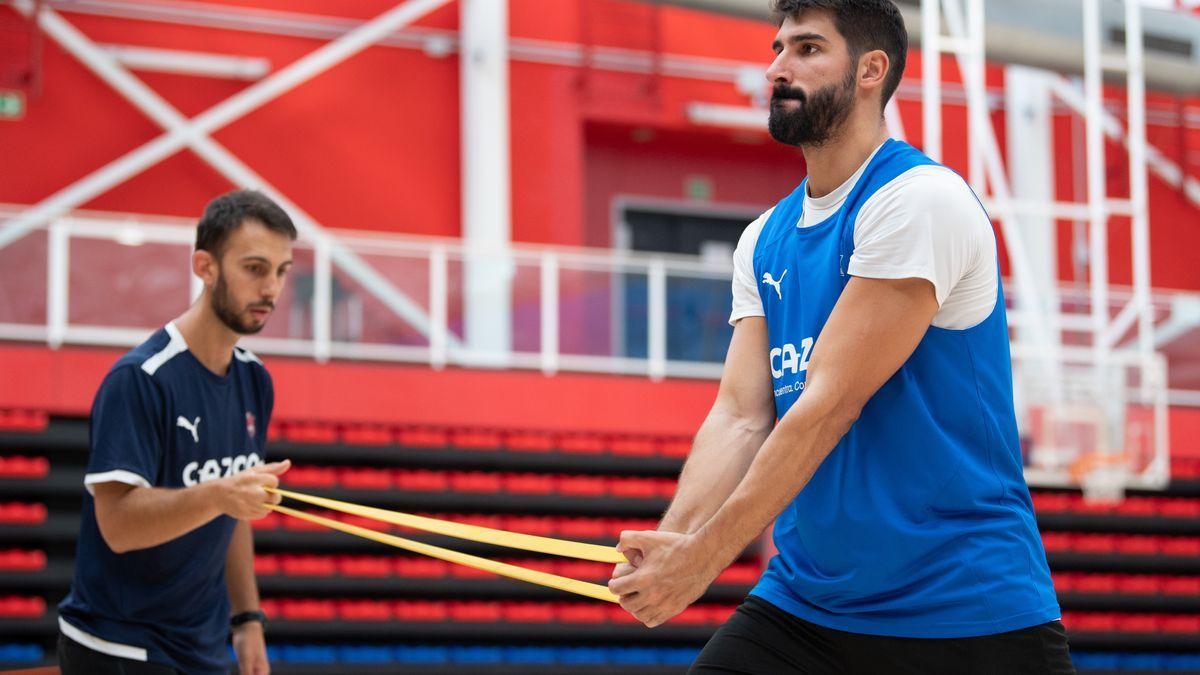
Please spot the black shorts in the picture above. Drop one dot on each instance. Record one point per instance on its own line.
(75, 659)
(761, 639)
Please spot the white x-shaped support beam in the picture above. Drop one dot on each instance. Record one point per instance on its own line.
(196, 134)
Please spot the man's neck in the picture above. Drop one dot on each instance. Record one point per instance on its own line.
(833, 163)
(208, 339)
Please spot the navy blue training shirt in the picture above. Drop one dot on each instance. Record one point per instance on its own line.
(161, 419)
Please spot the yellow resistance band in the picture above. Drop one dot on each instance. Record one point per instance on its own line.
(570, 549)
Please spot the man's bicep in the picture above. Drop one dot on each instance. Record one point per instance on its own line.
(746, 379)
(875, 326)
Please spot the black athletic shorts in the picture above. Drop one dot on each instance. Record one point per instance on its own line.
(761, 639)
(75, 659)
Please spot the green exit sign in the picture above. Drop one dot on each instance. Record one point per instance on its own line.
(12, 105)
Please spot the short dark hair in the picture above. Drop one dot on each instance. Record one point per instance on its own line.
(867, 25)
(226, 213)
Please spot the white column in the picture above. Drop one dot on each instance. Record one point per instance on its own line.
(1031, 152)
(486, 197)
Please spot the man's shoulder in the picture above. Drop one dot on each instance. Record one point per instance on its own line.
(144, 360)
(928, 188)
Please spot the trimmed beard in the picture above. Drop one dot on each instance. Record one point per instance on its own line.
(818, 118)
(222, 306)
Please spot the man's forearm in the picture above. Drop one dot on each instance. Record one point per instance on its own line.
(722, 451)
(239, 569)
(143, 517)
(784, 465)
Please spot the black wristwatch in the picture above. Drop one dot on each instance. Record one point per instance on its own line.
(246, 617)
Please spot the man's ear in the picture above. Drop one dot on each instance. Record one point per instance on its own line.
(204, 265)
(873, 68)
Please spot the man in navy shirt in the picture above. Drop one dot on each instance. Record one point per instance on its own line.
(165, 558)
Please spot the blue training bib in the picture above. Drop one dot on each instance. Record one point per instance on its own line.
(919, 522)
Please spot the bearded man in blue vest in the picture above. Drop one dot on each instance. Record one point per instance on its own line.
(865, 407)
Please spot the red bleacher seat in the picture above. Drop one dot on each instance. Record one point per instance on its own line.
(421, 568)
(475, 611)
(1052, 502)
(574, 612)
(422, 481)
(675, 447)
(364, 610)
(21, 513)
(307, 565)
(636, 447)
(1090, 621)
(18, 560)
(585, 569)
(1181, 586)
(1182, 623)
(1179, 508)
(367, 435)
(1138, 545)
(307, 609)
(696, 615)
(543, 526)
(530, 441)
(365, 479)
(1139, 584)
(582, 528)
(527, 612)
(266, 565)
(420, 611)
(475, 482)
(475, 439)
(582, 486)
(310, 432)
(665, 487)
(1144, 507)
(365, 566)
(24, 420)
(22, 607)
(1138, 623)
(528, 483)
(740, 573)
(1181, 546)
(1095, 543)
(585, 444)
(20, 466)
(1095, 583)
(422, 437)
(310, 476)
(632, 487)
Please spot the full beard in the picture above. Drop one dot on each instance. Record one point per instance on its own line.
(817, 119)
(222, 306)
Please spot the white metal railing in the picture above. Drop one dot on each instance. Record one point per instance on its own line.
(423, 267)
(429, 271)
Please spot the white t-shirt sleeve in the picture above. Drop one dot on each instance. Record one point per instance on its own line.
(746, 300)
(927, 224)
